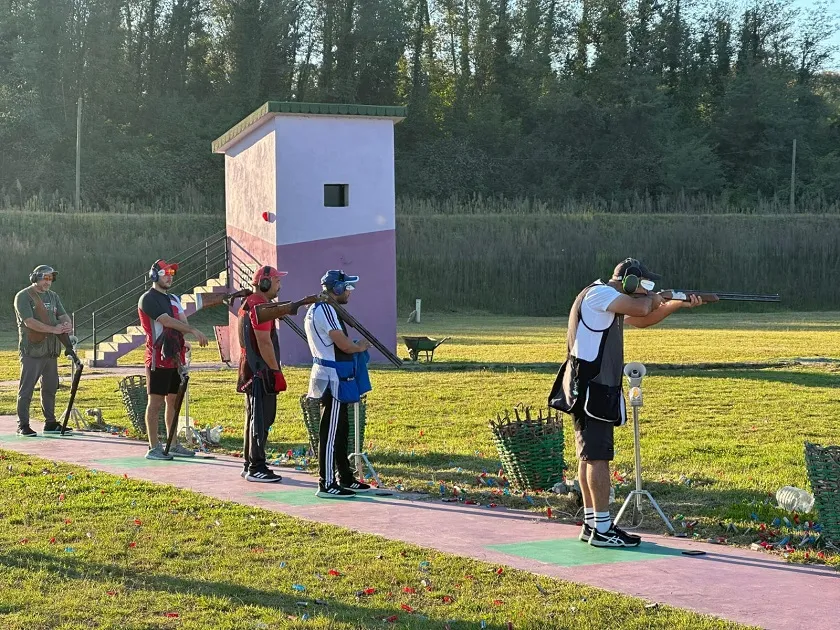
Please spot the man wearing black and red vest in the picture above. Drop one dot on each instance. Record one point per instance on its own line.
(260, 377)
(163, 320)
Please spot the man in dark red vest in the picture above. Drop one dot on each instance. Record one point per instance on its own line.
(260, 376)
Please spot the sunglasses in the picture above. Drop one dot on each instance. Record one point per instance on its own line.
(647, 285)
(169, 271)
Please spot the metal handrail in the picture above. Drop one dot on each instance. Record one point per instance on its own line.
(216, 238)
(213, 264)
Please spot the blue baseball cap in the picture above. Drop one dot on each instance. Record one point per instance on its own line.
(337, 276)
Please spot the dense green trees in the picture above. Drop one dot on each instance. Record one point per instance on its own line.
(541, 98)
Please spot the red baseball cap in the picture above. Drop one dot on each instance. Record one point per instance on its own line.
(162, 265)
(267, 272)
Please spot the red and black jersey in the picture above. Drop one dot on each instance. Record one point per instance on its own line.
(153, 304)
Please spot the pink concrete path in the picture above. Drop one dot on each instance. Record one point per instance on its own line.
(740, 585)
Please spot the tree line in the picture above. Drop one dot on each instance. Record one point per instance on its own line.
(541, 99)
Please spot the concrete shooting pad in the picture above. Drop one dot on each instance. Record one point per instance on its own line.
(727, 582)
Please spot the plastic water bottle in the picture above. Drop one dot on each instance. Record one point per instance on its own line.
(794, 499)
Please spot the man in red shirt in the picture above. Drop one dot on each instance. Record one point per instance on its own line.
(163, 320)
(260, 377)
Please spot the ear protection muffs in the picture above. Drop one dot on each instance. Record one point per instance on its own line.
(37, 275)
(340, 286)
(265, 281)
(632, 277)
(154, 272)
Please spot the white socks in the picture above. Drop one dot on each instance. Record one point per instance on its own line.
(602, 521)
(589, 516)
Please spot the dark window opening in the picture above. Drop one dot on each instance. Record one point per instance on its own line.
(336, 195)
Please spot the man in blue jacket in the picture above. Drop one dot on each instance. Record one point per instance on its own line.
(333, 380)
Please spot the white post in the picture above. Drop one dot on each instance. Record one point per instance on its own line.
(793, 177)
(78, 154)
(417, 310)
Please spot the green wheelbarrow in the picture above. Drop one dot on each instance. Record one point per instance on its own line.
(416, 345)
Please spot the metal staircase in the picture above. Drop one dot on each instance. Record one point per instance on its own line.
(111, 324)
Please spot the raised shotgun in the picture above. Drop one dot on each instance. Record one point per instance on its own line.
(718, 296)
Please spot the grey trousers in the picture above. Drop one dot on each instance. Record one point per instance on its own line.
(31, 370)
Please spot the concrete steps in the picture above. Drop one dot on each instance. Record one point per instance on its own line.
(110, 350)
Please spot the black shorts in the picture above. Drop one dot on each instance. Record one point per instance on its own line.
(162, 381)
(594, 439)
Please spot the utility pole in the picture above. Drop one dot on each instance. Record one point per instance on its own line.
(793, 177)
(78, 152)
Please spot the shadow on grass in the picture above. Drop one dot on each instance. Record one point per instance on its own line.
(803, 379)
(235, 595)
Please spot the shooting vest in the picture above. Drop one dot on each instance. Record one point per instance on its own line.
(251, 363)
(592, 387)
(40, 344)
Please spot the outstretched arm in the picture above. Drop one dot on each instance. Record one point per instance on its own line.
(667, 308)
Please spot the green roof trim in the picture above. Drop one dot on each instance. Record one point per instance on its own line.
(323, 109)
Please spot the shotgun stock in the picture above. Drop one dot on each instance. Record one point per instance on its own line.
(276, 310)
(209, 300)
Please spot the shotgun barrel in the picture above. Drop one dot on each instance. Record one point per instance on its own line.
(719, 296)
(352, 321)
(295, 328)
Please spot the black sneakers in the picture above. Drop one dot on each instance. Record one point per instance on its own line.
(263, 476)
(356, 486)
(55, 427)
(614, 537)
(334, 491)
(26, 432)
(585, 533)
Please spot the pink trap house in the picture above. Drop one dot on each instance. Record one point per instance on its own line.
(310, 187)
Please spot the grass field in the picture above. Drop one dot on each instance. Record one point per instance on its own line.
(90, 550)
(716, 442)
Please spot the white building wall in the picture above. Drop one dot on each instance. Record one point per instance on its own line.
(316, 150)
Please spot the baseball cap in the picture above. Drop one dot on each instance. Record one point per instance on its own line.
(162, 265)
(335, 276)
(622, 267)
(267, 272)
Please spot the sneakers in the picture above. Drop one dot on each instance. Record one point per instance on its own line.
(244, 473)
(356, 486)
(176, 450)
(585, 533)
(26, 432)
(263, 476)
(334, 491)
(157, 453)
(613, 537)
(55, 427)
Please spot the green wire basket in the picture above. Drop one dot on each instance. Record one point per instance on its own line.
(135, 398)
(531, 449)
(311, 408)
(823, 465)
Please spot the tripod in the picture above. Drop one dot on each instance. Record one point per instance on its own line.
(634, 373)
(359, 455)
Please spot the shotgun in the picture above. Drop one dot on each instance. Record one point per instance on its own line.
(209, 300)
(64, 338)
(718, 296)
(183, 372)
(277, 310)
(352, 321)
